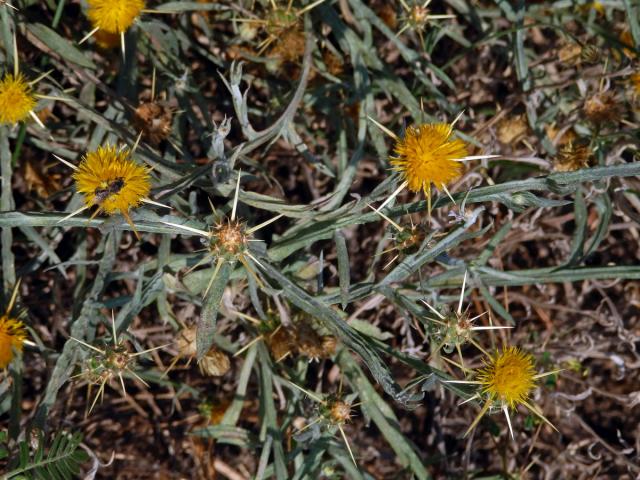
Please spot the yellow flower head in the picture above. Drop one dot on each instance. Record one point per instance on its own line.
(509, 376)
(110, 179)
(107, 40)
(16, 99)
(12, 336)
(114, 16)
(635, 82)
(427, 155)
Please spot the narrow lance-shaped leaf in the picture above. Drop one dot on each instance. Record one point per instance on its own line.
(344, 273)
(206, 328)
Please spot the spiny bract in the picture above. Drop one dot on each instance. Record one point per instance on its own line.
(16, 99)
(509, 376)
(427, 155)
(12, 336)
(114, 16)
(109, 178)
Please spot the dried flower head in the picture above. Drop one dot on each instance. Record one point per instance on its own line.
(387, 14)
(590, 54)
(289, 46)
(114, 16)
(570, 53)
(572, 156)
(16, 99)
(228, 239)
(339, 411)
(111, 180)
(626, 39)
(153, 119)
(280, 343)
(215, 363)
(12, 336)
(311, 344)
(560, 136)
(602, 107)
(512, 129)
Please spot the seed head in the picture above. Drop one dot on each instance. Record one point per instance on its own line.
(419, 16)
(339, 411)
(12, 336)
(228, 239)
(153, 119)
(110, 179)
(427, 155)
(508, 377)
(215, 363)
(572, 156)
(512, 129)
(16, 99)
(114, 16)
(602, 107)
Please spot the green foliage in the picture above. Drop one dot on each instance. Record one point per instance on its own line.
(213, 61)
(60, 459)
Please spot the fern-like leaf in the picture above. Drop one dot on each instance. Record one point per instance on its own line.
(61, 461)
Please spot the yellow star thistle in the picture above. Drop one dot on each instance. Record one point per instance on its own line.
(427, 155)
(114, 16)
(16, 99)
(12, 336)
(506, 382)
(110, 179)
(509, 376)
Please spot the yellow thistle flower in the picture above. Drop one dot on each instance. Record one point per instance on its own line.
(506, 382)
(508, 377)
(12, 336)
(16, 99)
(427, 155)
(107, 40)
(110, 179)
(635, 82)
(114, 16)
(626, 39)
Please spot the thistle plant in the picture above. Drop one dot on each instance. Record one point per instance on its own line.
(435, 203)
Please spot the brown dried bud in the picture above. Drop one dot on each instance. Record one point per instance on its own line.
(215, 363)
(154, 120)
(602, 107)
